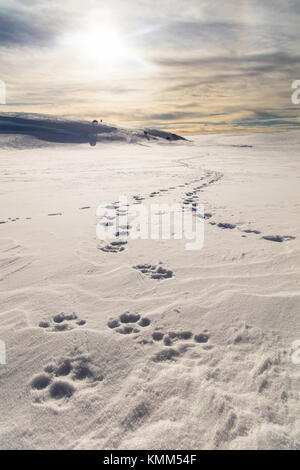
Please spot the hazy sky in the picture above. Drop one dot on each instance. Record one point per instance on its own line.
(191, 66)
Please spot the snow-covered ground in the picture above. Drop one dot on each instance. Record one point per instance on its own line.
(203, 357)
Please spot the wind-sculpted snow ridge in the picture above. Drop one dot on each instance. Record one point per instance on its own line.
(18, 127)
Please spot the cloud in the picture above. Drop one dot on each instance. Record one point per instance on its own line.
(209, 64)
(269, 61)
(25, 28)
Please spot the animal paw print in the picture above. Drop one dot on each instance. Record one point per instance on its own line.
(278, 238)
(225, 225)
(154, 272)
(206, 215)
(138, 199)
(168, 339)
(257, 232)
(154, 194)
(172, 336)
(62, 322)
(114, 247)
(126, 323)
(61, 380)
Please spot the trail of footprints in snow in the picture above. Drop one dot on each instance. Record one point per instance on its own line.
(51, 214)
(118, 246)
(60, 380)
(192, 198)
(128, 323)
(62, 322)
(137, 199)
(273, 238)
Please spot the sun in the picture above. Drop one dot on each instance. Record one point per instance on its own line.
(100, 44)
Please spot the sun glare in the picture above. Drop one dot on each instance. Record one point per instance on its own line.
(100, 44)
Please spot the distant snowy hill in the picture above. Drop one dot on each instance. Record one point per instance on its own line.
(60, 130)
